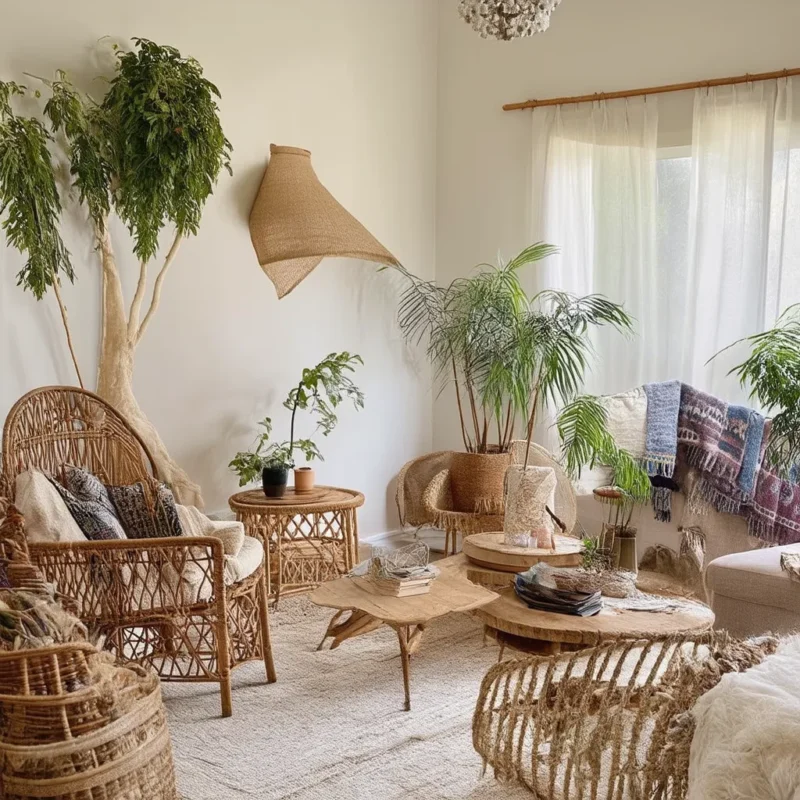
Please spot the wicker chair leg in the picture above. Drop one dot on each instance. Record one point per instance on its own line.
(266, 639)
(222, 643)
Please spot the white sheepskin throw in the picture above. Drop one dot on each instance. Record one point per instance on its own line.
(746, 744)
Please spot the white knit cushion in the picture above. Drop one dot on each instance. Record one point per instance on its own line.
(237, 568)
(195, 523)
(47, 518)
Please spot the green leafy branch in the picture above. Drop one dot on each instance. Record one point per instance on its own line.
(321, 390)
(586, 441)
(772, 373)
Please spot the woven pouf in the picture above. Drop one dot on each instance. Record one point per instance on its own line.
(528, 491)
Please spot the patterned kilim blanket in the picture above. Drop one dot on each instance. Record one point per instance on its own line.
(774, 515)
(661, 443)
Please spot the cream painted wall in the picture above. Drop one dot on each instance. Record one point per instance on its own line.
(593, 45)
(354, 81)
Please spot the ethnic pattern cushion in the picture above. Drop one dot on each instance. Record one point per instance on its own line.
(4, 582)
(89, 504)
(146, 511)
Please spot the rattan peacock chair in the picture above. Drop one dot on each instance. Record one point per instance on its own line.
(131, 591)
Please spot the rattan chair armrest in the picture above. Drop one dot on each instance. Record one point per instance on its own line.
(127, 577)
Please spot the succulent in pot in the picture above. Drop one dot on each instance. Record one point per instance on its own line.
(320, 391)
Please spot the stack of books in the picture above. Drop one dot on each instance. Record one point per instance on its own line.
(538, 596)
(404, 586)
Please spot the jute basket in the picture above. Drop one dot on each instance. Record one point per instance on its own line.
(477, 481)
(122, 747)
(52, 694)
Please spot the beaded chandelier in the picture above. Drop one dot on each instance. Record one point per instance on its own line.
(507, 19)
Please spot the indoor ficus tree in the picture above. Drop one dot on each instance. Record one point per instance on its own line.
(149, 152)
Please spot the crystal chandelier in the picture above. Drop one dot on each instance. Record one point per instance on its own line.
(507, 19)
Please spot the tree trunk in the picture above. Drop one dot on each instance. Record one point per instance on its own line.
(115, 378)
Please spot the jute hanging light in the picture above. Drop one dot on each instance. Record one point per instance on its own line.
(295, 222)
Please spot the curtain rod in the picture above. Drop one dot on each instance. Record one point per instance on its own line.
(673, 87)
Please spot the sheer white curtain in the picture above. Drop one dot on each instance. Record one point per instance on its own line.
(594, 196)
(726, 272)
(742, 243)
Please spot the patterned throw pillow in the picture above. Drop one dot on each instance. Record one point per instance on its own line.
(146, 512)
(89, 503)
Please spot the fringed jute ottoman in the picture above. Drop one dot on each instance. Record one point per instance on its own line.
(610, 723)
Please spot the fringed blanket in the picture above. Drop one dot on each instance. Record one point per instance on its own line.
(774, 515)
(726, 443)
(661, 443)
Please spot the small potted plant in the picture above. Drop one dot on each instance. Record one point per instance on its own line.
(320, 391)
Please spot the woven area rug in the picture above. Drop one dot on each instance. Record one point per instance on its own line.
(332, 726)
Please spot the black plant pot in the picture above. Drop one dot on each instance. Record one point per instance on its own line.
(274, 480)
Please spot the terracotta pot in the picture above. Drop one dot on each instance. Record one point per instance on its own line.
(476, 481)
(303, 479)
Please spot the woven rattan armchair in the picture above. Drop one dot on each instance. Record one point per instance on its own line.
(131, 591)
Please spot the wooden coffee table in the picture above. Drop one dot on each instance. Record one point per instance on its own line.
(513, 624)
(308, 537)
(408, 616)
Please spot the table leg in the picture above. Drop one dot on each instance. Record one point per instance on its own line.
(409, 644)
(358, 623)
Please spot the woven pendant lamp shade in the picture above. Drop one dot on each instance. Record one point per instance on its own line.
(295, 222)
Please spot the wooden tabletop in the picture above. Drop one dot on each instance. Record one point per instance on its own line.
(449, 593)
(320, 498)
(509, 614)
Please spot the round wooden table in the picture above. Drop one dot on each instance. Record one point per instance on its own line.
(308, 537)
(547, 632)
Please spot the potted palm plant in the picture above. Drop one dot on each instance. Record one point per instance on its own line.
(320, 391)
(507, 354)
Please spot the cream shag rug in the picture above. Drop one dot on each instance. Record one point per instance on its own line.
(332, 726)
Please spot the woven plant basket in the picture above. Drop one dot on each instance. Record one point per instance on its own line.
(122, 751)
(56, 693)
(477, 481)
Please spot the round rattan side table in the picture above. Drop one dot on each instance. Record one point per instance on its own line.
(308, 537)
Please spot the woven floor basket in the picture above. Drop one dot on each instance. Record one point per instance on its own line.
(75, 727)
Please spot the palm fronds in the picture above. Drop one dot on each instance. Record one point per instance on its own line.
(507, 354)
(772, 372)
(586, 441)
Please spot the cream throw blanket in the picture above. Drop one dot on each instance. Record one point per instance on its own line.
(746, 743)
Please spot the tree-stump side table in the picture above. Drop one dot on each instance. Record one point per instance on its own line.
(308, 537)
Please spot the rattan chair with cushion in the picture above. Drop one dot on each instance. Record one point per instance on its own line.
(134, 591)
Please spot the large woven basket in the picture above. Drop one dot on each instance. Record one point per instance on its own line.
(122, 747)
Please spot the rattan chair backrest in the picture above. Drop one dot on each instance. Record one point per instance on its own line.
(57, 425)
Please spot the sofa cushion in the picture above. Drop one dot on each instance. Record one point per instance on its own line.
(89, 503)
(47, 518)
(145, 512)
(755, 577)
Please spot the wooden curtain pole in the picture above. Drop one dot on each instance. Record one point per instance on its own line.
(672, 87)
